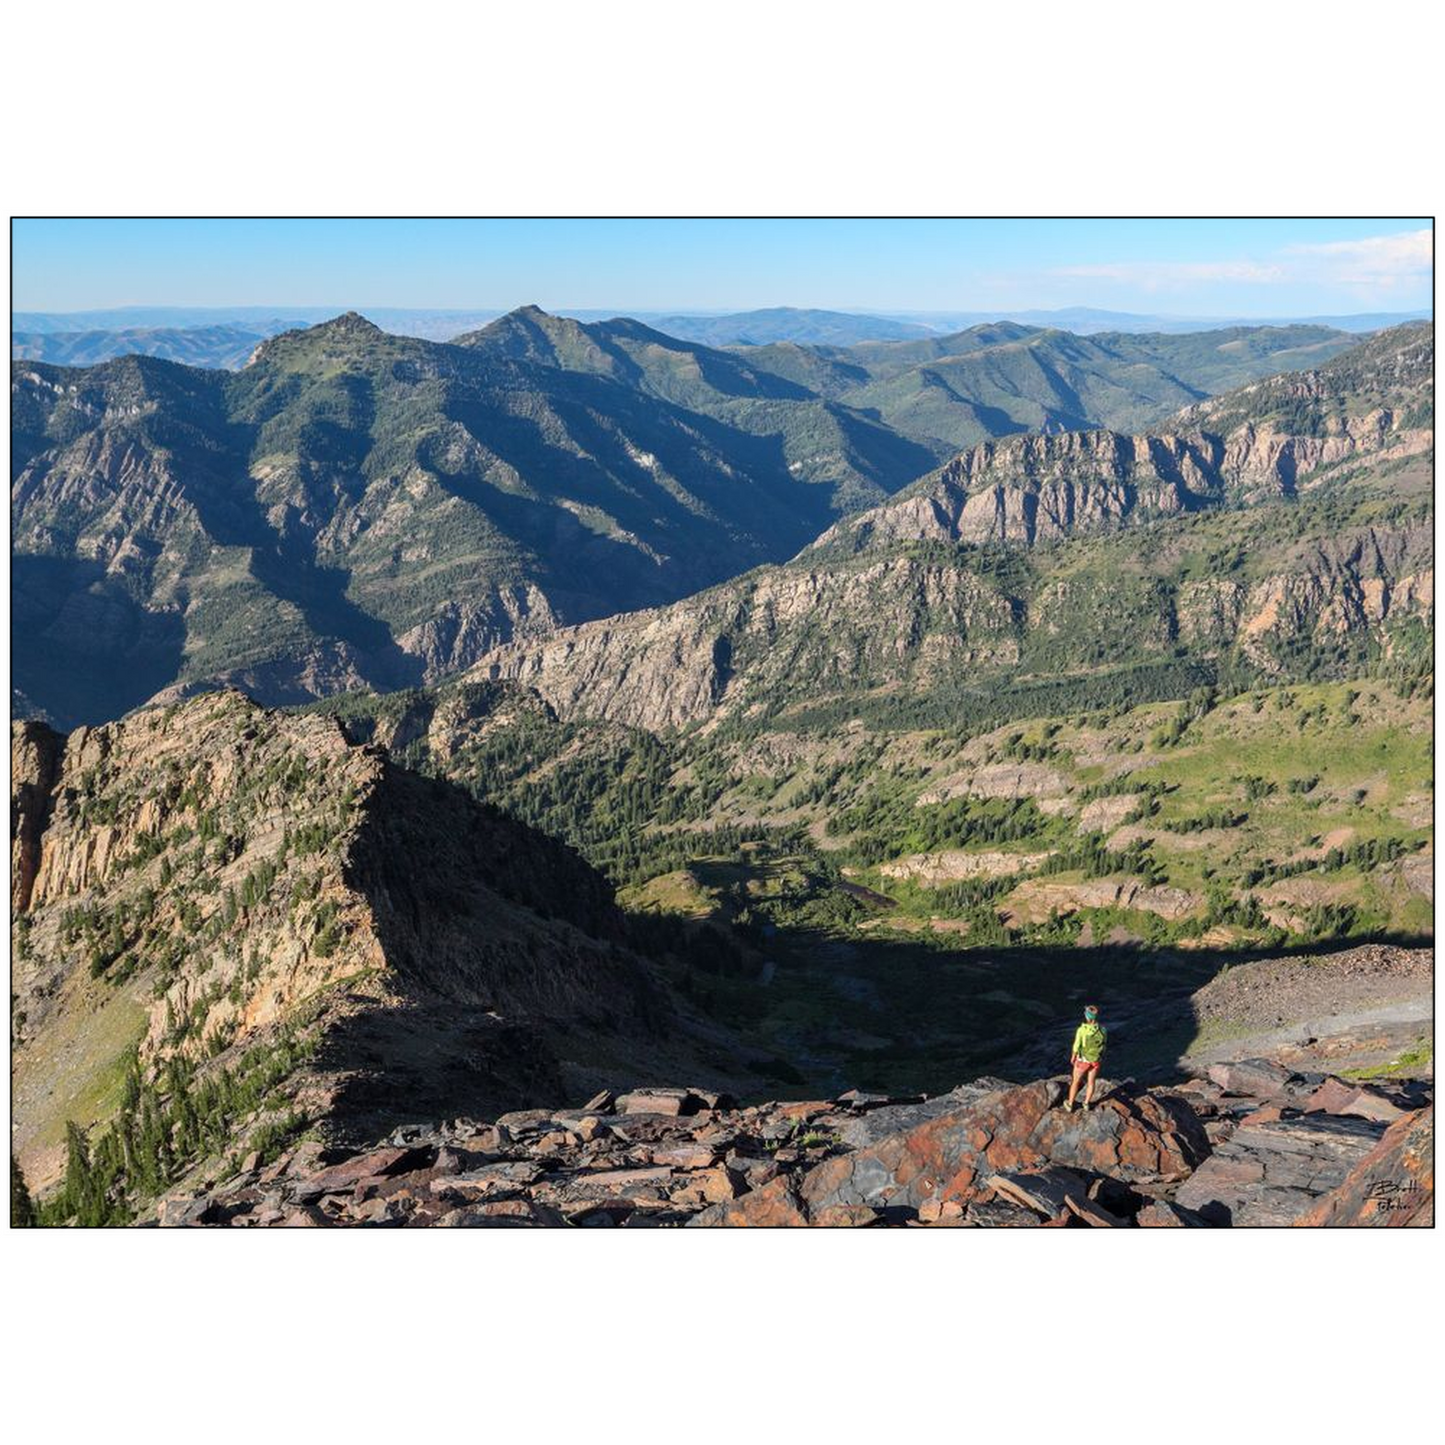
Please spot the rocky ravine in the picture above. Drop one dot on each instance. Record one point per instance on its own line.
(1251, 1144)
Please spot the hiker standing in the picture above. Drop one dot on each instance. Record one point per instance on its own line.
(1090, 1040)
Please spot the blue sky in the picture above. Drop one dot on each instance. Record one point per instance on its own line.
(1182, 268)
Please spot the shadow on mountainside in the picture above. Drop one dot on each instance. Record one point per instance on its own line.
(508, 964)
(95, 655)
(286, 564)
(904, 1016)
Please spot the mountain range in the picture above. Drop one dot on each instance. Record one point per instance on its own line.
(354, 508)
(229, 347)
(1018, 559)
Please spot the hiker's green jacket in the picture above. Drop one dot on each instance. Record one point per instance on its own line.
(1089, 1042)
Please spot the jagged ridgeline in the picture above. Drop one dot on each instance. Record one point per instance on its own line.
(233, 927)
(354, 509)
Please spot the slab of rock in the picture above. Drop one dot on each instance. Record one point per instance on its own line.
(176, 1213)
(1272, 1173)
(685, 1156)
(1338, 1096)
(861, 1102)
(624, 1178)
(880, 1121)
(775, 1206)
(1393, 1186)
(671, 1102)
(514, 1174)
(526, 1121)
(996, 1214)
(1046, 1192)
(378, 1164)
(711, 1186)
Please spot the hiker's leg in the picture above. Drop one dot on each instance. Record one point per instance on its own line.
(1089, 1087)
(1075, 1082)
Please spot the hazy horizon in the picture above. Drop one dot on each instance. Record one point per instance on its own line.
(1178, 269)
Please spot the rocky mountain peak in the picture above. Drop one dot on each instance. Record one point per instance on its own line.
(349, 323)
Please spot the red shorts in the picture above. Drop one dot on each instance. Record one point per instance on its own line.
(1086, 1066)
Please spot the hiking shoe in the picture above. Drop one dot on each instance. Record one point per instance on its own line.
(1087, 1107)
(1068, 1106)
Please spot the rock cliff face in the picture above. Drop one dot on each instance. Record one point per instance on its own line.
(1029, 490)
(1271, 439)
(900, 622)
(35, 755)
(796, 628)
(211, 883)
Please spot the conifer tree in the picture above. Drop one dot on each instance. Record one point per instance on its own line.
(22, 1207)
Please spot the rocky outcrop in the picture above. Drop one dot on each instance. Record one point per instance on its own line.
(1271, 1170)
(795, 628)
(1284, 1141)
(1262, 441)
(1133, 1136)
(35, 758)
(1030, 490)
(213, 882)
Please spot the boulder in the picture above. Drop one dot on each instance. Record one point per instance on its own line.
(670, 1102)
(525, 1121)
(1391, 1187)
(176, 1213)
(685, 1156)
(1128, 1135)
(1254, 1078)
(1046, 1192)
(881, 1120)
(1161, 1214)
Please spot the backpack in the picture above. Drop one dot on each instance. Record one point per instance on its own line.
(1092, 1039)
